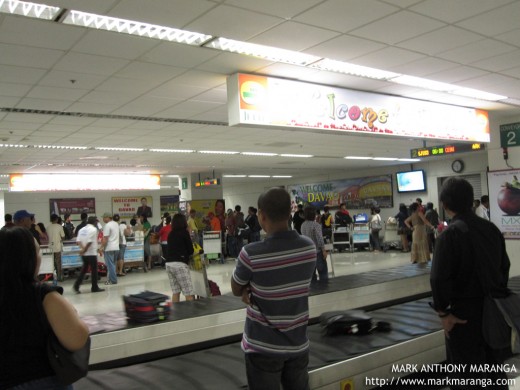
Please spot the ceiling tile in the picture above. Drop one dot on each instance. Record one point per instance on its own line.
(345, 15)
(43, 104)
(178, 55)
(66, 94)
(233, 23)
(90, 64)
(228, 63)
(93, 6)
(286, 9)
(398, 27)
(423, 66)
(499, 63)
(22, 55)
(146, 106)
(20, 74)
(14, 90)
(497, 21)
(344, 48)
(476, 51)
(457, 74)
(512, 37)
(150, 72)
(440, 40)
(111, 44)
(450, 11)
(65, 79)
(388, 57)
(293, 36)
(38, 33)
(171, 13)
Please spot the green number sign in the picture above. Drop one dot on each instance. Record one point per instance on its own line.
(510, 135)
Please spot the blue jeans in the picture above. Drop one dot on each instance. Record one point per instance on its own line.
(110, 260)
(47, 383)
(267, 372)
(321, 267)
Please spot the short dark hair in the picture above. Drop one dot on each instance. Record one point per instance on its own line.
(54, 217)
(92, 220)
(342, 204)
(275, 204)
(8, 218)
(484, 199)
(83, 216)
(66, 215)
(116, 217)
(168, 219)
(457, 195)
(238, 208)
(326, 209)
(309, 213)
(429, 206)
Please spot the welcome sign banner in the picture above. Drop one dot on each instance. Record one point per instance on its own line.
(357, 193)
(266, 101)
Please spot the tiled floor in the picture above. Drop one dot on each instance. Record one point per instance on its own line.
(156, 280)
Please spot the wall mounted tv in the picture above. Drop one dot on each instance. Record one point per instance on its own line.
(411, 181)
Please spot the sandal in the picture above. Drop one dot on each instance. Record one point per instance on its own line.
(121, 274)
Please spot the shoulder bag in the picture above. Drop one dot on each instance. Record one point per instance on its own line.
(69, 366)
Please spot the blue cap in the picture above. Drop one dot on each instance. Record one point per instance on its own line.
(21, 214)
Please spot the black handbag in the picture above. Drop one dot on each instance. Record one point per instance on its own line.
(68, 366)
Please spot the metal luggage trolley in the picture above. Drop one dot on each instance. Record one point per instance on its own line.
(212, 244)
(47, 263)
(391, 238)
(360, 232)
(341, 237)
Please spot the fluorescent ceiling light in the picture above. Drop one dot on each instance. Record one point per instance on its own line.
(75, 182)
(259, 154)
(31, 10)
(352, 69)
(61, 147)
(258, 176)
(171, 150)
(120, 149)
(266, 52)
(385, 158)
(132, 27)
(281, 176)
(422, 83)
(297, 155)
(13, 146)
(476, 94)
(358, 158)
(217, 152)
(409, 159)
(234, 175)
(170, 176)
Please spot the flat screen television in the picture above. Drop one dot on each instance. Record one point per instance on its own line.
(411, 181)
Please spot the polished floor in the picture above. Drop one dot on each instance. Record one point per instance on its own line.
(156, 280)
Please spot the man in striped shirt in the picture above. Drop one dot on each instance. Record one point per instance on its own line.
(273, 278)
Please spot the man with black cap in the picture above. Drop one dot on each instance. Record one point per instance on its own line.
(87, 241)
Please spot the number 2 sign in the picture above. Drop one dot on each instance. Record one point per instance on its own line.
(510, 135)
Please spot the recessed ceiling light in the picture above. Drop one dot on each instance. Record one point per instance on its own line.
(385, 158)
(297, 155)
(31, 10)
(259, 154)
(358, 158)
(234, 175)
(217, 152)
(171, 150)
(258, 176)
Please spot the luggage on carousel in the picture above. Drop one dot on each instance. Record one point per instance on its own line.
(147, 307)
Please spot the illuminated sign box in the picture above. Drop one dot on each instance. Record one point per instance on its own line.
(441, 150)
(207, 183)
(63, 182)
(262, 101)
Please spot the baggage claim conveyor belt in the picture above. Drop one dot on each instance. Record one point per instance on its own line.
(187, 352)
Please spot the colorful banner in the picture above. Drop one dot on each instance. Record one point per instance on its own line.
(72, 206)
(357, 193)
(504, 201)
(169, 204)
(130, 206)
(203, 208)
(266, 101)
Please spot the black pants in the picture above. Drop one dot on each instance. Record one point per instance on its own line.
(88, 261)
(466, 345)
(268, 372)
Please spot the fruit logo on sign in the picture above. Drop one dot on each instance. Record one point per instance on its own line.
(253, 92)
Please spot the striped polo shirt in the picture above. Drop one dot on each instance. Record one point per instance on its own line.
(279, 271)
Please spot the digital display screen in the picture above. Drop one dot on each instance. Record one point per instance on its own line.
(440, 150)
(411, 181)
(207, 183)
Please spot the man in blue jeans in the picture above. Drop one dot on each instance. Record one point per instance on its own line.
(110, 247)
(273, 278)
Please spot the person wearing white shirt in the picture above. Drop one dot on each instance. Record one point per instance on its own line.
(483, 210)
(56, 236)
(88, 244)
(110, 247)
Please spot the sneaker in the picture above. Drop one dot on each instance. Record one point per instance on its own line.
(108, 283)
(76, 290)
(98, 290)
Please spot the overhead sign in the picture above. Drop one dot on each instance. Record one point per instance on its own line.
(510, 135)
(440, 150)
(265, 101)
(207, 183)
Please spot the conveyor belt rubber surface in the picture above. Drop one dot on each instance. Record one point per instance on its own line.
(223, 367)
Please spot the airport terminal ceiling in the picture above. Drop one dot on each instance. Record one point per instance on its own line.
(111, 94)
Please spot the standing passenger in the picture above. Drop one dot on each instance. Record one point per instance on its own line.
(469, 248)
(402, 230)
(417, 222)
(56, 236)
(88, 244)
(273, 278)
(312, 229)
(110, 247)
